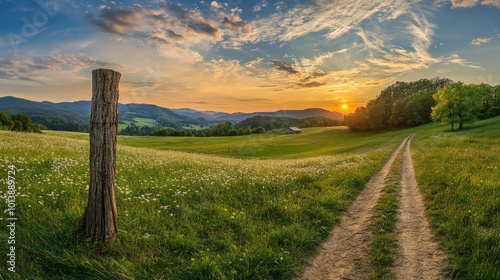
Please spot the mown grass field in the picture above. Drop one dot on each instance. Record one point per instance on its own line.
(250, 207)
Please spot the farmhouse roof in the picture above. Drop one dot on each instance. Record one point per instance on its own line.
(295, 129)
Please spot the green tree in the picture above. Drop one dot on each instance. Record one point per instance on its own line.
(456, 104)
(222, 129)
(160, 132)
(398, 117)
(18, 126)
(358, 121)
(248, 130)
(200, 133)
(5, 122)
(27, 124)
(259, 130)
(232, 132)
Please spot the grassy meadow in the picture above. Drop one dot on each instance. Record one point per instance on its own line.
(138, 122)
(312, 142)
(249, 207)
(459, 176)
(185, 215)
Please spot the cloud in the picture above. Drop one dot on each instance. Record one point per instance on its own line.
(381, 25)
(214, 4)
(314, 76)
(32, 68)
(204, 29)
(311, 65)
(393, 59)
(472, 3)
(235, 25)
(479, 41)
(150, 23)
(174, 36)
(283, 66)
(174, 31)
(464, 3)
(117, 21)
(495, 3)
(335, 18)
(180, 17)
(455, 58)
(175, 26)
(309, 85)
(258, 7)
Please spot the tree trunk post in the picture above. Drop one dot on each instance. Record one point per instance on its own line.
(100, 218)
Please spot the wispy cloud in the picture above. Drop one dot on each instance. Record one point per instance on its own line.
(260, 5)
(495, 3)
(335, 18)
(117, 21)
(455, 58)
(377, 23)
(177, 27)
(472, 3)
(464, 3)
(478, 41)
(39, 68)
(314, 65)
(395, 59)
(283, 66)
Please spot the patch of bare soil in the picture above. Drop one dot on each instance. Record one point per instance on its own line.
(418, 255)
(345, 254)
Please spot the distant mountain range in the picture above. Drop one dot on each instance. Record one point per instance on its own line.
(78, 113)
(237, 117)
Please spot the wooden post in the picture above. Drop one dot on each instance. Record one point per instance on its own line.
(100, 218)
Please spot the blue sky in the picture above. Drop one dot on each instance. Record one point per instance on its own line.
(243, 55)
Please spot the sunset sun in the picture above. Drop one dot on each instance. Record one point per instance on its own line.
(344, 106)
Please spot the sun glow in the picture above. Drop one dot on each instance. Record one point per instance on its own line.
(344, 106)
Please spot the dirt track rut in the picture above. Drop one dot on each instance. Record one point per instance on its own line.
(345, 255)
(418, 255)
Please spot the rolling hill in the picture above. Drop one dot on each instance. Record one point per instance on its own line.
(74, 116)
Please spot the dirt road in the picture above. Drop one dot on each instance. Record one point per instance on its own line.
(346, 253)
(418, 255)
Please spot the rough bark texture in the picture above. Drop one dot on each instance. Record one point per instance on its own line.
(100, 217)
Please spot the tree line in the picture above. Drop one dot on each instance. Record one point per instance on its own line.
(274, 122)
(409, 104)
(253, 125)
(221, 129)
(19, 123)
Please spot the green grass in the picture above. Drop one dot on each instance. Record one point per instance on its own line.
(210, 210)
(459, 175)
(194, 126)
(181, 215)
(384, 245)
(140, 122)
(311, 143)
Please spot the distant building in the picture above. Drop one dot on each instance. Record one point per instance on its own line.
(292, 130)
